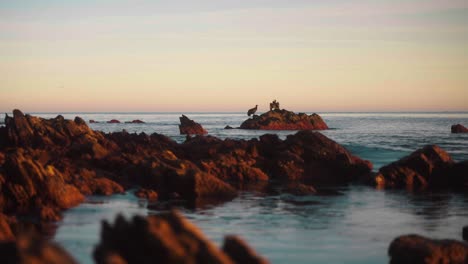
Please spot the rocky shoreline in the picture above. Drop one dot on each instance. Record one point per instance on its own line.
(50, 165)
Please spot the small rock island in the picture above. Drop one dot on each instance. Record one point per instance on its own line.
(282, 119)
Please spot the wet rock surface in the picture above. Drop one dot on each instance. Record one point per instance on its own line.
(48, 165)
(417, 249)
(284, 120)
(429, 167)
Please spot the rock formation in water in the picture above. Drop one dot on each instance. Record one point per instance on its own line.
(189, 127)
(136, 121)
(458, 128)
(285, 120)
(166, 238)
(47, 165)
(113, 121)
(429, 167)
(410, 249)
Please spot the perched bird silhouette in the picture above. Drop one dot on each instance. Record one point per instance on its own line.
(252, 111)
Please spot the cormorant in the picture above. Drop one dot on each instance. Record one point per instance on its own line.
(252, 111)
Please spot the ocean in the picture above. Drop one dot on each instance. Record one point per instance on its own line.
(355, 225)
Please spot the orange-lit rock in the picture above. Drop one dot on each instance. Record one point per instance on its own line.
(189, 127)
(458, 128)
(284, 120)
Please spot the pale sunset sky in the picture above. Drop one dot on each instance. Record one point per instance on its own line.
(220, 55)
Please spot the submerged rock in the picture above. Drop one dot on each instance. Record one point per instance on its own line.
(429, 167)
(417, 249)
(285, 120)
(166, 238)
(458, 128)
(137, 121)
(189, 127)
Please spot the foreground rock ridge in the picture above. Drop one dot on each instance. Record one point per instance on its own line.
(166, 238)
(284, 120)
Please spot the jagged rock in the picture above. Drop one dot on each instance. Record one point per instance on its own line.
(27, 250)
(285, 120)
(410, 249)
(30, 186)
(429, 167)
(6, 234)
(311, 157)
(190, 127)
(113, 121)
(166, 238)
(458, 128)
(202, 168)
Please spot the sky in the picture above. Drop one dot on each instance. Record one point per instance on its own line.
(220, 55)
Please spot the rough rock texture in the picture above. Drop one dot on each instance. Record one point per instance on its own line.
(6, 232)
(285, 120)
(47, 165)
(429, 167)
(167, 238)
(458, 128)
(30, 186)
(410, 249)
(190, 127)
(33, 250)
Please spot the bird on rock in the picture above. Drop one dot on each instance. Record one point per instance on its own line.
(252, 111)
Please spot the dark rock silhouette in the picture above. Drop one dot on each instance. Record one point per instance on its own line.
(28, 249)
(429, 167)
(166, 238)
(113, 121)
(465, 233)
(190, 127)
(285, 120)
(458, 128)
(228, 127)
(240, 252)
(137, 121)
(417, 249)
(92, 121)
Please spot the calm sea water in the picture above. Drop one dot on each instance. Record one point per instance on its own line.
(354, 226)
